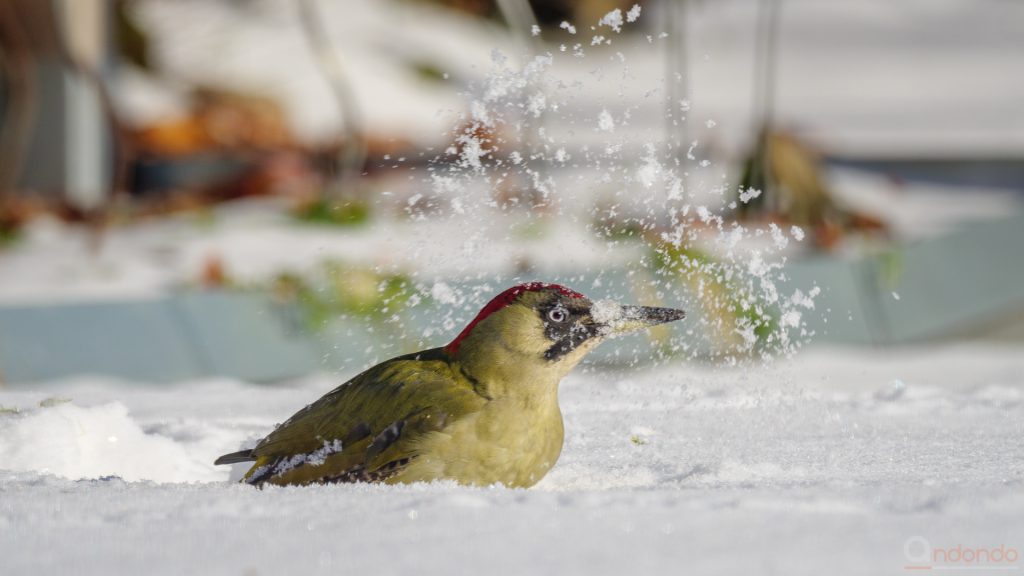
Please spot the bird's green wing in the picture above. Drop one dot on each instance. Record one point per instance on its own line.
(366, 429)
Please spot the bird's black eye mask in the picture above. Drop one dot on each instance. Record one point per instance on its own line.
(567, 324)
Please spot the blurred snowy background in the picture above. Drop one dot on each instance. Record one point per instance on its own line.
(213, 212)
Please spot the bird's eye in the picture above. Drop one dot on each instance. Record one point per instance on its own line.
(558, 315)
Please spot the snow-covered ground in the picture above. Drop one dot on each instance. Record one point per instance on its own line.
(837, 461)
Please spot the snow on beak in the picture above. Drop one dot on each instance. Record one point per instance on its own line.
(616, 319)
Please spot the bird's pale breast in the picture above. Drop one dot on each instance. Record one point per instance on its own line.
(502, 443)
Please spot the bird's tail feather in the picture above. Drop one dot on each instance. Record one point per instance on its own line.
(235, 457)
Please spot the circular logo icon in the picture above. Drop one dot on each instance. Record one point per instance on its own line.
(917, 549)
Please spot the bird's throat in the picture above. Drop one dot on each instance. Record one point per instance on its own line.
(504, 373)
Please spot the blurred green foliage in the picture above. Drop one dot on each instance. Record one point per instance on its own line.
(428, 71)
(8, 236)
(130, 38)
(52, 401)
(729, 306)
(891, 265)
(345, 290)
(334, 213)
(607, 224)
(637, 440)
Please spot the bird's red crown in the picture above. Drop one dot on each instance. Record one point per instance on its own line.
(504, 299)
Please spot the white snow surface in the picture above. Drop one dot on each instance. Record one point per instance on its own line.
(829, 463)
(260, 48)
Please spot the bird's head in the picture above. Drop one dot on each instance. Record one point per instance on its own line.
(541, 331)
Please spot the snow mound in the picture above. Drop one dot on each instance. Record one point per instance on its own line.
(94, 442)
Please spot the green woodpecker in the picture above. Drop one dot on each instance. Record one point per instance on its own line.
(482, 410)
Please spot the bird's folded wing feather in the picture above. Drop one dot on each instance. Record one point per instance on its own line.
(366, 429)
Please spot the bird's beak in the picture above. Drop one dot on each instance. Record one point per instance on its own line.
(616, 319)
